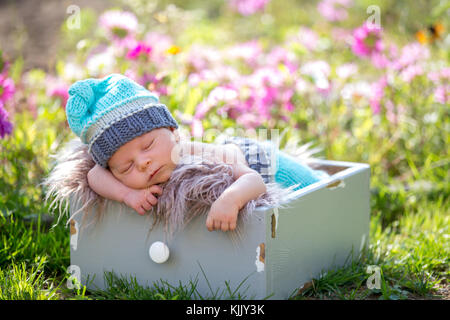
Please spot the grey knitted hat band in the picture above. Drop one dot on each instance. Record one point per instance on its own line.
(116, 134)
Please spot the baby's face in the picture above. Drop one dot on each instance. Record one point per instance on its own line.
(145, 160)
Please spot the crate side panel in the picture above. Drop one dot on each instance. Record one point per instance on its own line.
(318, 231)
(120, 243)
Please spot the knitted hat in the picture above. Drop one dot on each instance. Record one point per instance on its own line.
(107, 113)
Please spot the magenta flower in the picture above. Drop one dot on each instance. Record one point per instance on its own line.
(5, 125)
(286, 97)
(367, 40)
(7, 88)
(334, 10)
(248, 7)
(137, 50)
(120, 26)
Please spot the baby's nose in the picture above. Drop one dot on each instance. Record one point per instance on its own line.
(145, 164)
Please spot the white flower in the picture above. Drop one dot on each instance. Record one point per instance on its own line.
(101, 63)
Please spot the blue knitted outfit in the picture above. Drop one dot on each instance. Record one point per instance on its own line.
(275, 165)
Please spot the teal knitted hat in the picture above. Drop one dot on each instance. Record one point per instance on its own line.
(107, 113)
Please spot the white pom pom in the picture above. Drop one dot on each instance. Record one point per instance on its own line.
(159, 252)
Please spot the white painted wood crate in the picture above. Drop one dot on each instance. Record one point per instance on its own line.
(280, 250)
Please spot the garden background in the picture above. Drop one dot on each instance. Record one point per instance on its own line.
(324, 71)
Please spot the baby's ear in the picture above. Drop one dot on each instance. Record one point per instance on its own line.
(176, 133)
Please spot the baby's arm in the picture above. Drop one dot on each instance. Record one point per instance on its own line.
(103, 182)
(248, 185)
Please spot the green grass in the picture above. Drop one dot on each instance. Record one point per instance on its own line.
(22, 282)
(412, 254)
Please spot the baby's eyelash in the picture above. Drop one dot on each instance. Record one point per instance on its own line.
(127, 169)
(150, 144)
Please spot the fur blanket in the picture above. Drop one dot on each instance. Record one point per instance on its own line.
(194, 185)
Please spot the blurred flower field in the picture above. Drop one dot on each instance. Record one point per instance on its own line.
(366, 81)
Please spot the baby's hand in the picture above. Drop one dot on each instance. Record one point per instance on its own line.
(223, 215)
(142, 200)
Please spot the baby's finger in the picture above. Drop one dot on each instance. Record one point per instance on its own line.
(140, 211)
(217, 225)
(225, 226)
(156, 189)
(209, 223)
(152, 199)
(147, 206)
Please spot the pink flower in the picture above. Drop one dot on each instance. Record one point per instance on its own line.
(248, 51)
(154, 83)
(249, 120)
(280, 55)
(411, 72)
(120, 25)
(33, 105)
(138, 49)
(286, 97)
(130, 73)
(202, 57)
(7, 88)
(342, 34)
(265, 76)
(436, 76)
(334, 10)
(159, 43)
(390, 113)
(308, 38)
(442, 94)
(379, 60)
(410, 54)
(248, 7)
(5, 125)
(367, 40)
(58, 89)
(377, 94)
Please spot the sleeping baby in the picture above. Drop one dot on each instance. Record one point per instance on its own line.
(136, 145)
